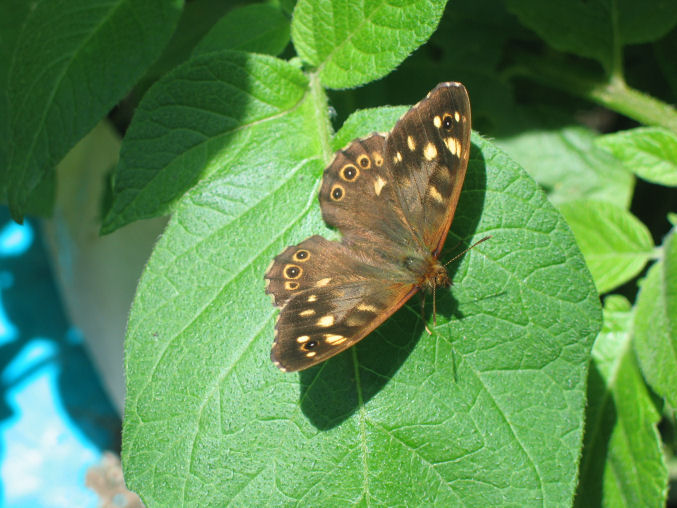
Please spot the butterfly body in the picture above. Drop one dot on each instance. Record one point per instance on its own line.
(393, 198)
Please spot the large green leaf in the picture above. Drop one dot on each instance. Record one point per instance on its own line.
(487, 411)
(73, 62)
(353, 43)
(192, 122)
(596, 28)
(649, 152)
(656, 324)
(259, 28)
(622, 463)
(13, 14)
(566, 162)
(616, 245)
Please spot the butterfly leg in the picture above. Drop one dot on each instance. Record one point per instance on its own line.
(423, 313)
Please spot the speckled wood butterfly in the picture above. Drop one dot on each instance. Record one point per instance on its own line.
(393, 198)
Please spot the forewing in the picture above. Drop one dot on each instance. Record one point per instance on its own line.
(357, 197)
(427, 156)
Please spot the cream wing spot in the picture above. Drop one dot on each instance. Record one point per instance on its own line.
(457, 116)
(367, 308)
(453, 145)
(430, 152)
(312, 298)
(435, 194)
(411, 143)
(379, 183)
(311, 354)
(325, 321)
(335, 340)
(303, 338)
(308, 312)
(323, 282)
(437, 121)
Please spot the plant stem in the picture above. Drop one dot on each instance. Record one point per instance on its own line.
(321, 108)
(612, 93)
(618, 96)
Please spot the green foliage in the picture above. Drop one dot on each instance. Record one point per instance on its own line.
(622, 461)
(72, 62)
(351, 46)
(616, 245)
(649, 152)
(655, 324)
(507, 403)
(267, 31)
(602, 27)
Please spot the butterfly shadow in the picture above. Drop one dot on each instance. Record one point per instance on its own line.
(332, 391)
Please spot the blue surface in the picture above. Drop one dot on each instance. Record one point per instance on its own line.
(55, 419)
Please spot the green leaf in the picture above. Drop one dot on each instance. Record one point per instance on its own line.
(622, 463)
(73, 62)
(649, 152)
(616, 245)
(258, 28)
(351, 44)
(365, 121)
(656, 324)
(487, 411)
(13, 13)
(566, 162)
(597, 28)
(193, 122)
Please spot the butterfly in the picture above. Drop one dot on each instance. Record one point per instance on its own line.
(393, 199)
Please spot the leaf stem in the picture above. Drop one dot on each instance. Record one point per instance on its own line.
(612, 93)
(321, 109)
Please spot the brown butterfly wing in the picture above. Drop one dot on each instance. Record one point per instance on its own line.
(330, 298)
(393, 199)
(427, 154)
(358, 199)
(319, 323)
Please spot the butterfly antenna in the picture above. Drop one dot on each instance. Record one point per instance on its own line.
(463, 252)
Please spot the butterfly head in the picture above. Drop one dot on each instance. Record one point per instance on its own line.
(434, 276)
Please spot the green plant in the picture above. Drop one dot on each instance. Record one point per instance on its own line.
(490, 410)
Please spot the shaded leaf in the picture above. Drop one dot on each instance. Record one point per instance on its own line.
(73, 61)
(351, 44)
(365, 121)
(649, 152)
(193, 122)
(13, 13)
(596, 28)
(258, 28)
(622, 463)
(616, 245)
(656, 324)
(468, 416)
(565, 161)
